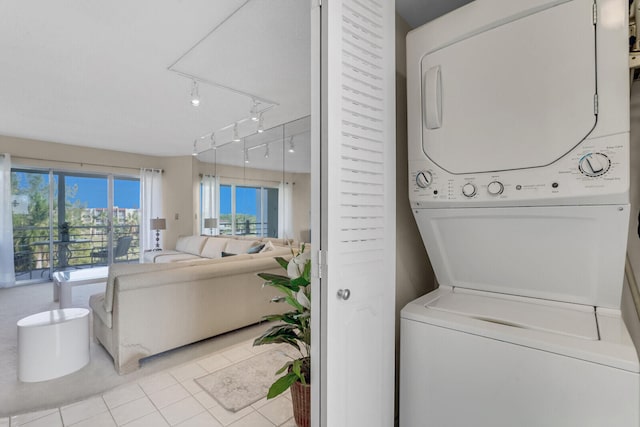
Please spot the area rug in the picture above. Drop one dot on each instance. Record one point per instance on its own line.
(246, 382)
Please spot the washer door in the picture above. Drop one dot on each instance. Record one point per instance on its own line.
(514, 95)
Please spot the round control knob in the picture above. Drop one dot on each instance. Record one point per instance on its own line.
(424, 179)
(594, 164)
(495, 188)
(469, 189)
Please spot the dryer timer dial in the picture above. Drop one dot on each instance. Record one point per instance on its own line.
(424, 179)
(594, 164)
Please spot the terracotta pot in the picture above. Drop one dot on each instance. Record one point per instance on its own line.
(301, 397)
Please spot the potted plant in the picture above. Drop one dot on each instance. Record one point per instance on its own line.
(293, 328)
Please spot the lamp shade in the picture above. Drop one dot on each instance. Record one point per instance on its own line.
(210, 222)
(158, 224)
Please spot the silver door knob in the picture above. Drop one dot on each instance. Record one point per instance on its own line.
(344, 294)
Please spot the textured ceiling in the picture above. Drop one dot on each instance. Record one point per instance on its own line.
(95, 73)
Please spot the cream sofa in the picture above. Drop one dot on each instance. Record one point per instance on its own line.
(195, 248)
(154, 307)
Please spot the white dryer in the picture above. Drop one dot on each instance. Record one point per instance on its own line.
(518, 121)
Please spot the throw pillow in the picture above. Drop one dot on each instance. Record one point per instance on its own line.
(267, 247)
(255, 249)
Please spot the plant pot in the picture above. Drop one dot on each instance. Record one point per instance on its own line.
(301, 398)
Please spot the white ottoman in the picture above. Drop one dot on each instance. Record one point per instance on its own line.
(52, 344)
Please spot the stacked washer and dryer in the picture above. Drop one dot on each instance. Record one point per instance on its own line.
(519, 179)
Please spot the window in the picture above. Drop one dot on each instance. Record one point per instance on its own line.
(249, 211)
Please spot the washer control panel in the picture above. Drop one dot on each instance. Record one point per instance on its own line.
(597, 168)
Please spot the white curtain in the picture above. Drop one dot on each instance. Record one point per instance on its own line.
(209, 207)
(7, 271)
(285, 209)
(151, 206)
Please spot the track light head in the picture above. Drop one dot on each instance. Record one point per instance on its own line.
(195, 149)
(292, 148)
(260, 123)
(246, 156)
(236, 137)
(254, 110)
(195, 96)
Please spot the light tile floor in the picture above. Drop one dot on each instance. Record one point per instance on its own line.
(169, 398)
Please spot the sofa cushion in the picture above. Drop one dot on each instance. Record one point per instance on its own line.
(96, 302)
(240, 246)
(191, 244)
(214, 247)
(121, 268)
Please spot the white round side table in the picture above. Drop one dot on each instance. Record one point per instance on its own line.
(52, 344)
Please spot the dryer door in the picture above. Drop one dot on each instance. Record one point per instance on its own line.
(513, 95)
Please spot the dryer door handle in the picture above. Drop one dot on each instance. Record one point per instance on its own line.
(432, 98)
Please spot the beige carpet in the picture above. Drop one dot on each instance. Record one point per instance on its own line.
(95, 378)
(246, 382)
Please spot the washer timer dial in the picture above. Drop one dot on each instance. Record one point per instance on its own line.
(594, 164)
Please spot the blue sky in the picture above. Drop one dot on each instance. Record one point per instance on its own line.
(92, 191)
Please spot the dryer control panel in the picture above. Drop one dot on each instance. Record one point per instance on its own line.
(597, 171)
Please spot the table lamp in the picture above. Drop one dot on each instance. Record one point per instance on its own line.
(211, 223)
(158, 224)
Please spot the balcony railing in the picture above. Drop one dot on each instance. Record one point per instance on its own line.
(36, 256)
(245, 228)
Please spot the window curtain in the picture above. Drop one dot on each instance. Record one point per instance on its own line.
(285, 208)
(151, 206)
(7, 271)
(209, 206)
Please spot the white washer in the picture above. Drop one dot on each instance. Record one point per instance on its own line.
(518, 123)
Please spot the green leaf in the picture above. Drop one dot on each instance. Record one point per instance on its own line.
(281, 385)
(283, 262)
(284, 368)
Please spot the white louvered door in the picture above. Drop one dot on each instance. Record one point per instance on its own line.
(357, 232)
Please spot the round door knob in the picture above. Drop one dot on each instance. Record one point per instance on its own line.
(344, 294)
(495, 187)
(594, 164)
(424, 179)
(469, 189)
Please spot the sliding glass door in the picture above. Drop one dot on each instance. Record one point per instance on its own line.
(65, 220)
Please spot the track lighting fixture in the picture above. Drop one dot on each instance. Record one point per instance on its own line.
(292, 148)
(266, 152)
(260, 123)
(246, 155)
(236, 138)
(213, 140)
(195, 150)
(195, 96)
(253, 113)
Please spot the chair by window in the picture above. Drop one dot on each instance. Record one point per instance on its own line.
(121, 249)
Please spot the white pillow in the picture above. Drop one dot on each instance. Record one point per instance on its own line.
(268, 247)
(191, 244)
(240, 246)
(214, 247)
